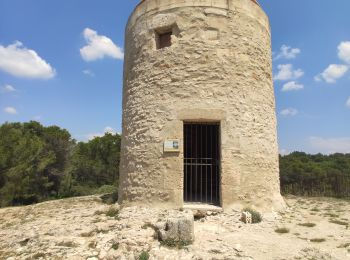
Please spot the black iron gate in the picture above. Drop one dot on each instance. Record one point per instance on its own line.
(202, 163)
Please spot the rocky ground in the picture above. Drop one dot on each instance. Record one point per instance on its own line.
(86, 228)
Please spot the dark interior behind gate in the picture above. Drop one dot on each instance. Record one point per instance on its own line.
(202, 163)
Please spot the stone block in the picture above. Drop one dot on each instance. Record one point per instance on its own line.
(177, 227)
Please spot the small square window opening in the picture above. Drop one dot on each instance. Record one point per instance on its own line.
(163, 40)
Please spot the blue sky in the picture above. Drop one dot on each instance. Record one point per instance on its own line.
(61, 63)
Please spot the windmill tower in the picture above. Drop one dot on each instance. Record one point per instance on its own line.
(199, 122)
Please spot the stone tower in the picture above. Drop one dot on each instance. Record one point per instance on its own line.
(199, 122)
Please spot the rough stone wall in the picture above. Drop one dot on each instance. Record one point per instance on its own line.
(217, 69)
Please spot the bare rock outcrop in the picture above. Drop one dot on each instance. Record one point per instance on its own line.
(86, 228)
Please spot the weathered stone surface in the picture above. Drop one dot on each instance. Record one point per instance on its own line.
(179, 227)
(218, 68)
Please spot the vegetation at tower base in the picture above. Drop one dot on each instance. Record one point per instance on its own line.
(39, 163)
(315, 175)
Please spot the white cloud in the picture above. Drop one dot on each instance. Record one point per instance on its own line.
(284, 152)
(107, 129)
(332, 73)
(287, 52)
(19, 61)
(89, 73)
(344, 51)
(99, 46)
(286, 72)
(330, 145)
(348, 103)
(37, 118)
(10, 110)
(292, 85)
(8, 89)
(289, 112)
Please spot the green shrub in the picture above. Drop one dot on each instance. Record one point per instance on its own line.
(144, 255)
(112, 212)
(86, 190)
(115, 246)
(82, 190)
(106, 189)
(256, 216)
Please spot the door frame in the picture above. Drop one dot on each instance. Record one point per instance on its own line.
(216, 162)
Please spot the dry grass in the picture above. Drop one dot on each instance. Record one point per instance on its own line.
(171, 243)
(332, 215)
(92, 244)
(99, 212)
(339, 222)
(282, 230)
(308, 224)
(67, 244)
(87, 234)
(345, 245)
(318, 240)
(148, 225)
(38, 256)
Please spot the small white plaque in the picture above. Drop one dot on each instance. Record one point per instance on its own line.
(172, 145)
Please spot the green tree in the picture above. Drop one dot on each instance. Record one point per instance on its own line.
(93, 164)
(31, 162)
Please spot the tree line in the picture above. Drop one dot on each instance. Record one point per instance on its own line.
(315, 175)
(39, 163)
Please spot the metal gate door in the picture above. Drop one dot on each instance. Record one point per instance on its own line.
(202, 163)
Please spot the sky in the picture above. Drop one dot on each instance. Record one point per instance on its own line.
(61, 63)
